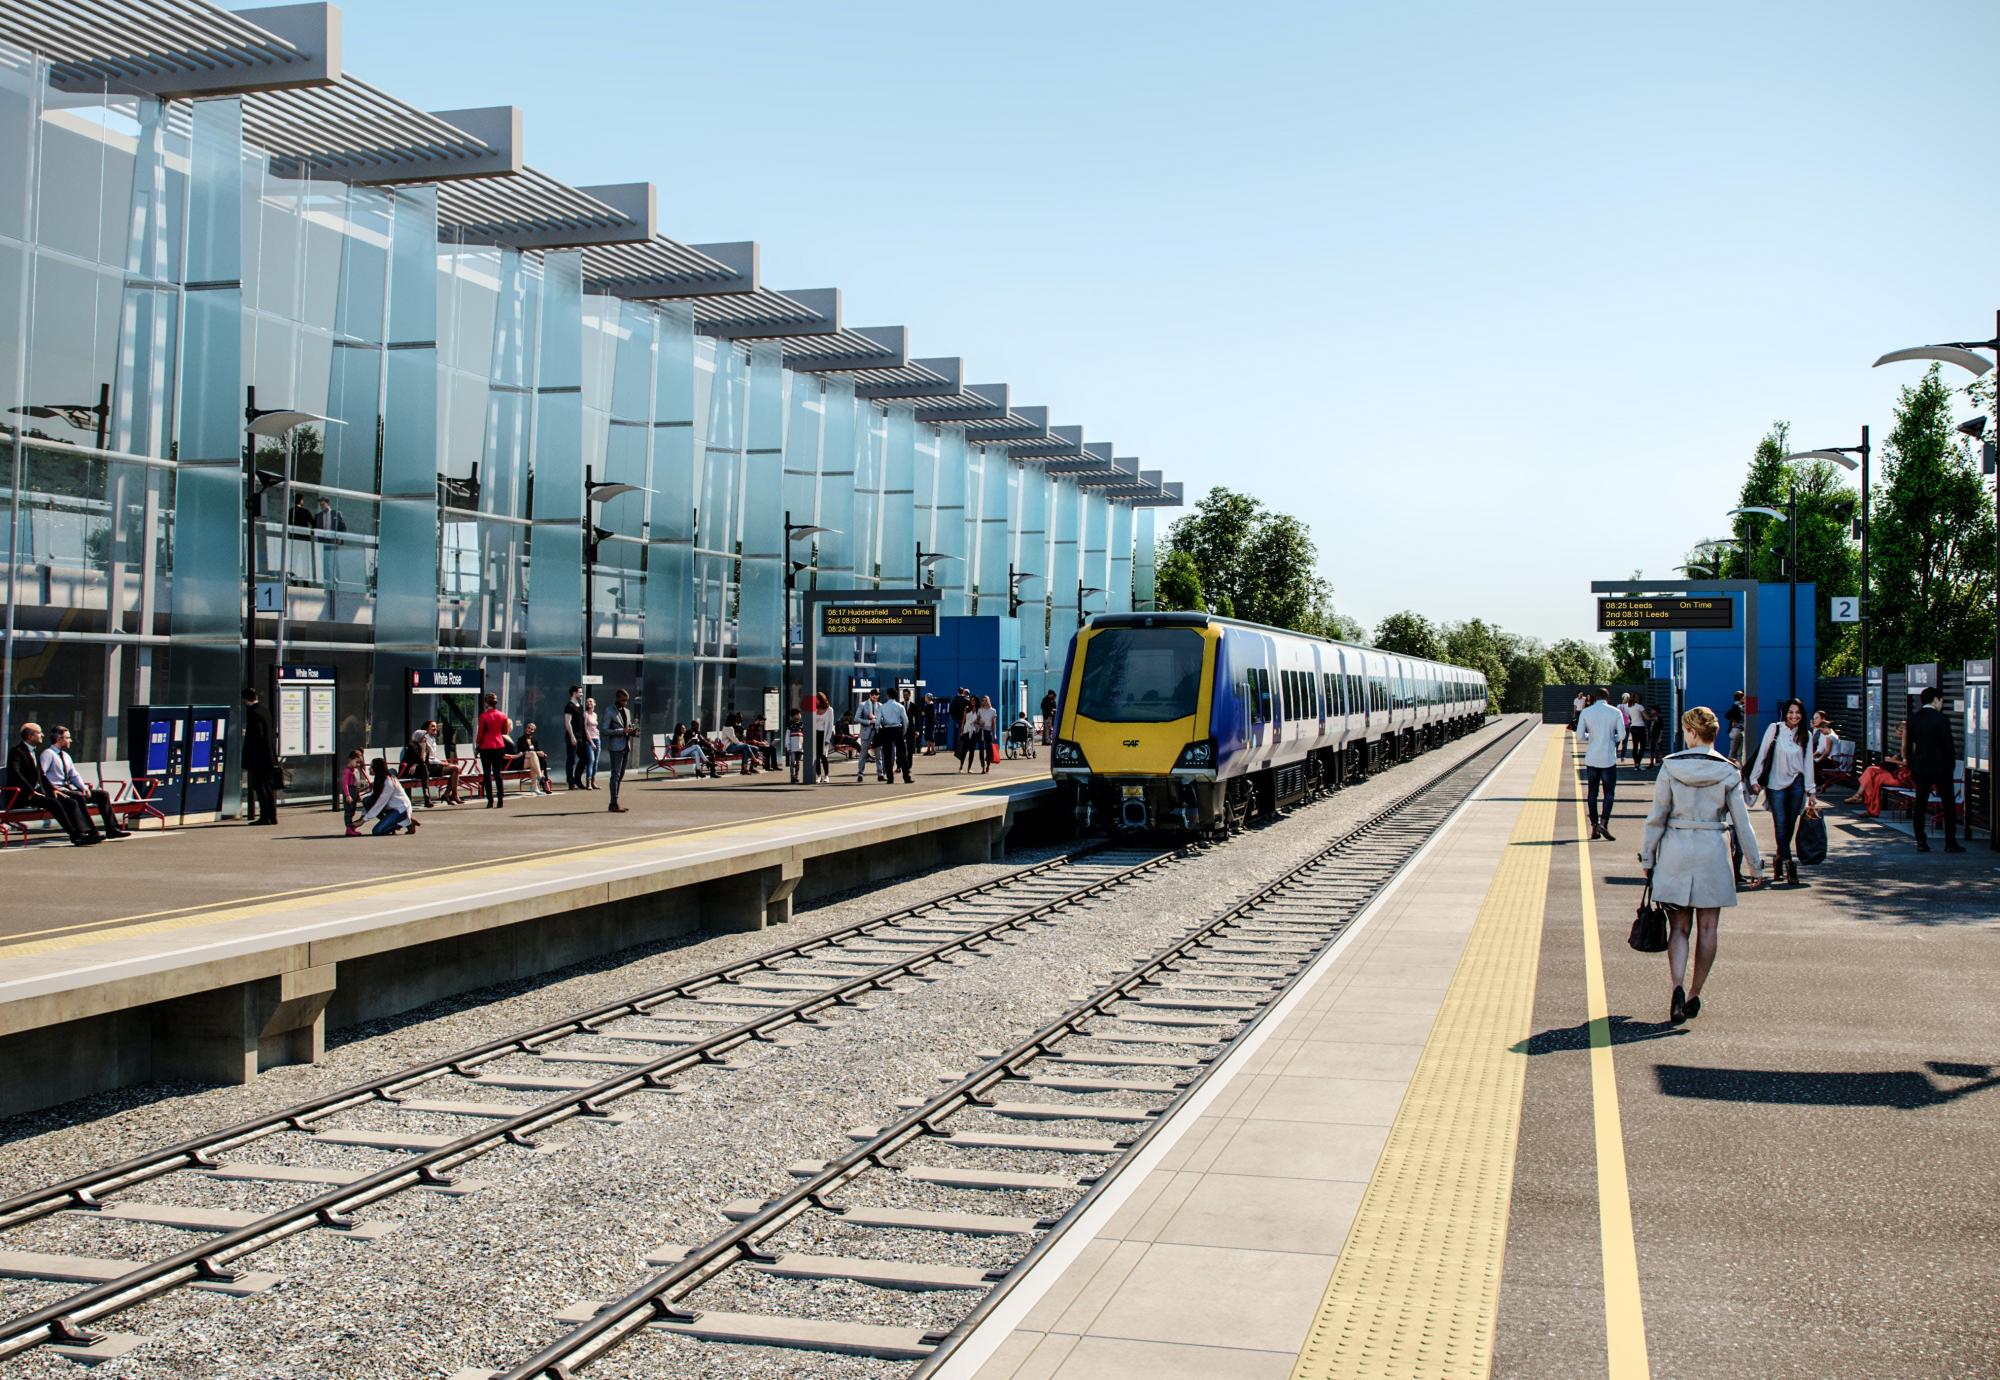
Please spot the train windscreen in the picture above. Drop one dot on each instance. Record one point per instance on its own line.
(1141, 675)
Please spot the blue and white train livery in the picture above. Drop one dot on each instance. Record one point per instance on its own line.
(1189, 721)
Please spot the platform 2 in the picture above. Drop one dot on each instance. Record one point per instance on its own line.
(215, 951)
(1472, 1145)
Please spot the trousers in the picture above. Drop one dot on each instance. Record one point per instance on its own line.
(889, 743)
(1787, 804)
(1595, 779)
(1924, 786)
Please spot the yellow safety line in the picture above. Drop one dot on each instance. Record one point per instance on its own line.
(27, 945)
(1417, 1287)
(1624, 1316)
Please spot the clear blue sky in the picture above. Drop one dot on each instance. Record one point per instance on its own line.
(1497, 298)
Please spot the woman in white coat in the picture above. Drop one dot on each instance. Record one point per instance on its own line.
(1697, 801)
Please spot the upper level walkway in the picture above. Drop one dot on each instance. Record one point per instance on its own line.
(212, 951)
(1472, 1143)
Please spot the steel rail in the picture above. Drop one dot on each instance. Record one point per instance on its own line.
(65, 1321)
(655, 1299)
(80, 1190)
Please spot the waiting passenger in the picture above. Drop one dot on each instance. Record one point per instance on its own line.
(353, 790)
(389, 807)
(67, 784)
(527, 755)
(1697, 799)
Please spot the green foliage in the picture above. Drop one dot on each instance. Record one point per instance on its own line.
(1572, 661)
(1410, 634)
(1484, 648)
(1932, 539)
(1177, 582)
(1252, 563)
(1343, 627)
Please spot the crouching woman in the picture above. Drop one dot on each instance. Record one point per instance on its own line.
(1697, 804)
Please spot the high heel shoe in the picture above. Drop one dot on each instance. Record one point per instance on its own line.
(1678, 1012)
(1693, 1007)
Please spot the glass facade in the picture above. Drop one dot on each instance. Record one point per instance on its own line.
(162, 280)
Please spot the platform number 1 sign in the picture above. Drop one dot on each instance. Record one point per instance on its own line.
(1846, 608)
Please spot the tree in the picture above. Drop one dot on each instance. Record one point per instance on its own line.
(1483, 648)
(1932, 539)
(1409, 634)
(1177, 583)
(1573, 661)
(1343, 627)
(1254, 564)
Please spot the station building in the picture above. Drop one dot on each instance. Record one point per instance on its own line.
(209, 228)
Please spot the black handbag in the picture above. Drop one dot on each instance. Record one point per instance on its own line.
(1809, 844)
(1649, 926)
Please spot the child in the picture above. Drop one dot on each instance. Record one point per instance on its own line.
(353, 789)
(795, 742)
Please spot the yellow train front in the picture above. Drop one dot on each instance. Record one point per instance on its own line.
(1133, 735)
(1194, 723)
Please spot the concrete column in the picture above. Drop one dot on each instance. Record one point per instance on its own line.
(230, 1034)
(778, 900)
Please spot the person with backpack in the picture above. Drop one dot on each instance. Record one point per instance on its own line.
(1783, 773)
(1698, 806)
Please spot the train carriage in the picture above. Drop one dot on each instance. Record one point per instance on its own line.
(1187, 721)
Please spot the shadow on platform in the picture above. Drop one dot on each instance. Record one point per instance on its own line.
(1907, 1091)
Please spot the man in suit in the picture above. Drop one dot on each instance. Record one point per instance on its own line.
(24, 774)
(1932, 753)
(260, 761)
(67, 783)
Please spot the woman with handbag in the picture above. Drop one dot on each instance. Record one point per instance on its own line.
(1697, 802)
(1783, 771)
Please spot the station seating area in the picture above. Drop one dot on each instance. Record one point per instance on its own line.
(131, 800)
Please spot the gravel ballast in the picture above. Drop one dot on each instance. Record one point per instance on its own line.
(475, 1280)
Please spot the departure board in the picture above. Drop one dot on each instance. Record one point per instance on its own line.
(1666, 613)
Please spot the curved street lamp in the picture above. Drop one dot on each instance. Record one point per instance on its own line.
(595, 495)
(1965, 355)
(794, 531)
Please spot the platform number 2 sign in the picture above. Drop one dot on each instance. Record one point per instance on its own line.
(1846, 608)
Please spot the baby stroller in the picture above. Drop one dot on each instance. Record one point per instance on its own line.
(1021, 738)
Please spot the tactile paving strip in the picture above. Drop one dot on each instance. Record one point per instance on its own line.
(1417, 1287)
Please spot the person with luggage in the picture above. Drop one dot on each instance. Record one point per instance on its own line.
(1697, 810)
(1783, 774)
(1932, 752)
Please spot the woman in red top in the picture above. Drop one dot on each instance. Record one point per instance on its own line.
(492, 744)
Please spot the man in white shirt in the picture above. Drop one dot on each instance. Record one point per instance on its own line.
(1600, 729)
(892, 721)
(66, 781)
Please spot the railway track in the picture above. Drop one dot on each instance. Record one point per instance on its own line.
(1088, 1090)
(575, 1068)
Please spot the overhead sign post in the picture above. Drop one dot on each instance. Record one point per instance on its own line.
(862, 613)
(1666, 614)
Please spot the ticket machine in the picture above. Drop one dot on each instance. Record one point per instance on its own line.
(185, 750)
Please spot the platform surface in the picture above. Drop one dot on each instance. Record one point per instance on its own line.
(124, 923)
(1474, 1146)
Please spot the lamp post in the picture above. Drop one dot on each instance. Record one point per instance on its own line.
(1840, 455)
(1791, 518)
(927, 562)
(92, 417)
(793, 532)
(595, 495)
(1083, 590)
(1015, 579)
(1964, 354)
(272, 422)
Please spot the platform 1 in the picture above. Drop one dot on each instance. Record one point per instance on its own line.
(211, 952)
(1471, 1144)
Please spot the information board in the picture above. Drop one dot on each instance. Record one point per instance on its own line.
(1665, 613)
(912, 619)
(304, 697)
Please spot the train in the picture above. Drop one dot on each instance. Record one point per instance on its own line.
(1197, 724)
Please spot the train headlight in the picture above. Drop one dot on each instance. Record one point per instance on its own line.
(1068, 754)
(1198, 756)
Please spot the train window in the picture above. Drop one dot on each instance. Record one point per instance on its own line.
(1141, 675)
(1263, 695)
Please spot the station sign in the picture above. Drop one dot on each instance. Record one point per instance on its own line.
(1667, 613)
(304, 696)
(1846, 608)
(447, 680)
(1920, 677)
(912, 618)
